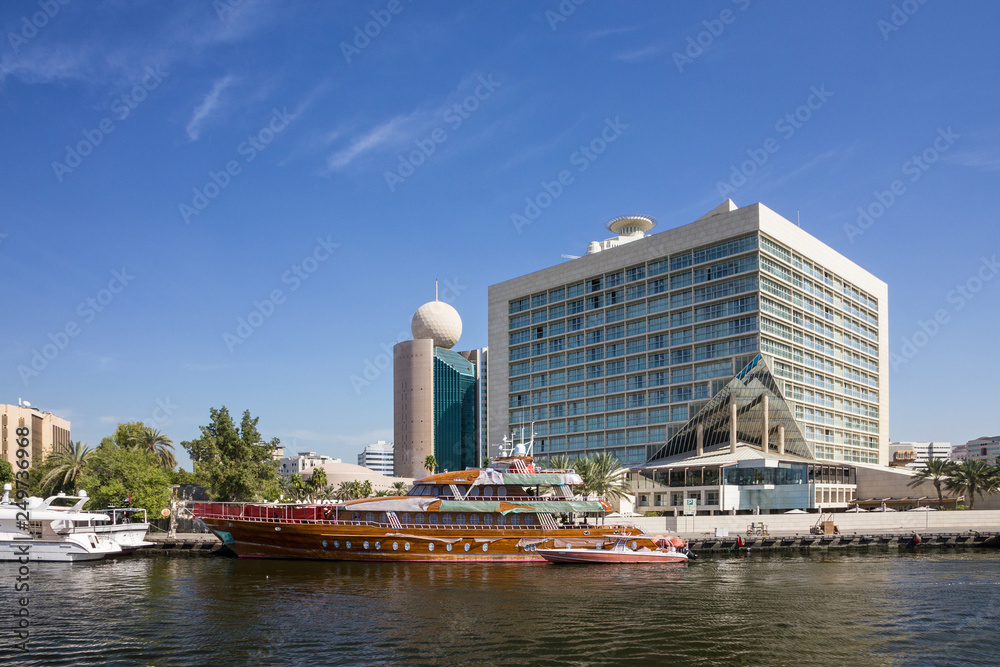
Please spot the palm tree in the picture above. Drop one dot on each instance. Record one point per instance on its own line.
(603, 475)
(971, 477)
(348, 491)
(298, 486)
(365, 489)
(938, 471)
(68, 466)
(400, 488)
(560, 462)
(430, 463)
(158, 444)
(316, 482)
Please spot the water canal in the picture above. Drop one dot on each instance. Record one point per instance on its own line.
(862, 608)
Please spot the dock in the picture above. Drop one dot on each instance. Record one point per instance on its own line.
(183, 544)
(886, 541)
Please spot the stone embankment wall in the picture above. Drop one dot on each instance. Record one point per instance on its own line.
(863, 522)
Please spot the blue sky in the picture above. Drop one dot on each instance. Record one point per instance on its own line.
(172, 169)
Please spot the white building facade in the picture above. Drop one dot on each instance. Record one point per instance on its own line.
(615, 351)
(914, 455)
(303, 463)
(378, 457)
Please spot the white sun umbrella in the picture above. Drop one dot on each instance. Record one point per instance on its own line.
(857, 509)
(796, 512)
(925, 508)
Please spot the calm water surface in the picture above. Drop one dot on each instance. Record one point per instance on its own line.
(936, 607)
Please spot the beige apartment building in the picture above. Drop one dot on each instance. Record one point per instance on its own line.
(46, 433)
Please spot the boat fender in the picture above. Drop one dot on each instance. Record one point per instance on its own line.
(916, 540)
(740, 541)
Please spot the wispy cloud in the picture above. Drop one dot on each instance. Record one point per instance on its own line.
(838, 153)
(607, 32)
(213, 100)
(986, 159)
(644, 53)
(370, 141)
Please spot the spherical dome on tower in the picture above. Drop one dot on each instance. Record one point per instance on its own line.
(438, 321)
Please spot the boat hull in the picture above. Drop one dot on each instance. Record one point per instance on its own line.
(611, 556)
(366, 542)
(58, 551)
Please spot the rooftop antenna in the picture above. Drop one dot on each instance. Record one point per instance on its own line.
(435, 289)
(798, 219)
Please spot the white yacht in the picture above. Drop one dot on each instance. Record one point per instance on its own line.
(128, 528)
(44, 530)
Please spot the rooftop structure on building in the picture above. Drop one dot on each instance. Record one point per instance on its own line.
(914, 455)
(620, 349)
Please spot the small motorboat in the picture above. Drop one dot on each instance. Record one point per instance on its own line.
(668, 550)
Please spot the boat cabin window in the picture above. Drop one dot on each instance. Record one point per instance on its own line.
(474, 519)
(515, 520)
(382, 518)
(407, 518)
(460, 519)
(487, 519)
(446, 518)
(501, 491)
(432, 519)
(437, 491)
(370, 517)
(529, 520)
(487, 491)
(501, 520)
(420, 518)
(474, 492)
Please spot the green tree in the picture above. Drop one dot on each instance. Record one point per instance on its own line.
(125, 435)
(560, 462)
(365, 489)
(6, 472)
(938, 471)
(603, 475)
(348, 491)
(115, 474)
(971, 477)
(400, 488)
(156, 443)
(298, 487)
(64, 469)
(237, 464)
(317, 481)
(430, 463)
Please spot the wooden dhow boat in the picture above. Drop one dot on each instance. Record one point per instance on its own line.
(502, 513)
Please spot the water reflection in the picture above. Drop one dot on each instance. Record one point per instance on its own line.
(866, 608)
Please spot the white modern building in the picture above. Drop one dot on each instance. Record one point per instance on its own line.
(617, 350)
(914, 455)
(303, 463)
(378, 457)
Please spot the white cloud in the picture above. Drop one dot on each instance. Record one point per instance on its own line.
(377, 137)
(213, 100)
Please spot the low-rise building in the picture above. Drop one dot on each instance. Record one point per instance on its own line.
(986, 449)
(46, 433)
(914, 455)
(303, 463)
